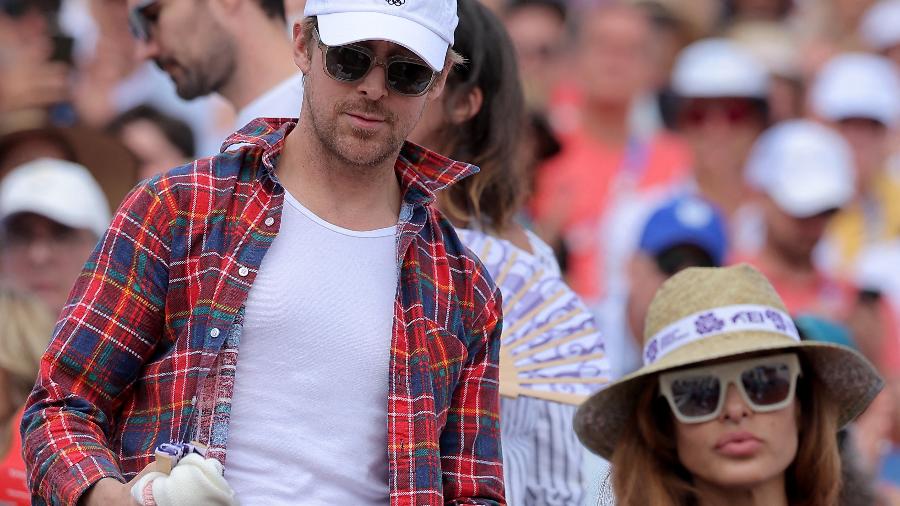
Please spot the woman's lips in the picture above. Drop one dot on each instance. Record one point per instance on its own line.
(738, 445)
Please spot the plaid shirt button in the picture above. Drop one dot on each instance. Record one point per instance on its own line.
(243, 271)
(270, 221)
(214, 333)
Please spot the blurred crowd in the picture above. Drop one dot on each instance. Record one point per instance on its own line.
(660, 134)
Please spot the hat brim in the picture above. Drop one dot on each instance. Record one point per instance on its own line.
(348, 27)
(847, 376)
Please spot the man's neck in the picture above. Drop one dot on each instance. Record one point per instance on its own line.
(607, 123)
(264, 61)
(350, 196)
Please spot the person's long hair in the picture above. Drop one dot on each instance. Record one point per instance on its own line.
(25, 327)
(650, 472)
(490, 139)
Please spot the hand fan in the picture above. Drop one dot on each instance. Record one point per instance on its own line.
(551, 348)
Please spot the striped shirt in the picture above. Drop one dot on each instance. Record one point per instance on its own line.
(146, 348)
(542, 457)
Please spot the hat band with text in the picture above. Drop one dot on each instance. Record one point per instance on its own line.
(720, 320)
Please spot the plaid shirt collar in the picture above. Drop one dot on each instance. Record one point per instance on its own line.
(421, 172)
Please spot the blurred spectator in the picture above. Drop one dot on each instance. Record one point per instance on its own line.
(34, 65)
(880, 29)
(160, 142)
(207, 48)
(25, 327)
(859, 95)
(52, 212)
(778, 48)
(538, 32)
(112, 80)
(110, 162)
(603, 158)
(686, 231)
(722, 92)
(804, 172)
(737, 11)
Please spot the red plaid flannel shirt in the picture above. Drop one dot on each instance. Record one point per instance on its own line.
(155, 314)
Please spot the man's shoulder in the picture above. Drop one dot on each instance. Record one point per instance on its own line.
(216, 173)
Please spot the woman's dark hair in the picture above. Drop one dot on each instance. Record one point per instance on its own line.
(177, 132)
(490, 139)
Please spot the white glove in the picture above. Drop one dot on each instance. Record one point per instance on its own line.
(195, 481)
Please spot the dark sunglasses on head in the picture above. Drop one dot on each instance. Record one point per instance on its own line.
(141, 19)
(404, 75)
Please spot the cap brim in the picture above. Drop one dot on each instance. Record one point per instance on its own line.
(54, 213)
(845, 374)
(349, 27)
(804, 202)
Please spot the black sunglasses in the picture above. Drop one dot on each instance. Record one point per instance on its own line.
(406, 76)
(141, 19)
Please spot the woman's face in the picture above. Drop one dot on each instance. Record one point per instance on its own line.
(740, 449)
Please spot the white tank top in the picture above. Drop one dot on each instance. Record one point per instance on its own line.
(309, 413)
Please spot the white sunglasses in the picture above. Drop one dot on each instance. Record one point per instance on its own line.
(697, 395)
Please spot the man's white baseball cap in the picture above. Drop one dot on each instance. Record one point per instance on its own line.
(857, 85)
(425, 27)
(804, 166)
(62, 191)
(880, 26)
(719, 68)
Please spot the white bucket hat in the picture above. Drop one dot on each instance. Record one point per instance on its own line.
(424, 27)
(704, 314)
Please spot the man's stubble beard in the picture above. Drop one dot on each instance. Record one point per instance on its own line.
(327, 132)
(205, 75)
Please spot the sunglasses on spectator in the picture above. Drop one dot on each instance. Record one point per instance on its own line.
(404, 75)
(142, 18)
(734, 112)
(697, 395)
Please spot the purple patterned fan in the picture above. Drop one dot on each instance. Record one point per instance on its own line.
(551, 347)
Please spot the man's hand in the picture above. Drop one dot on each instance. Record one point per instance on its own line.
(112, 492)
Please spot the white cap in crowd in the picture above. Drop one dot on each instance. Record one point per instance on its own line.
(62, 191)
(719, 68)
(880, 27)
(857, 85)
(424, 27)
(804, 166)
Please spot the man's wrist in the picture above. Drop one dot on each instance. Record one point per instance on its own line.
(107, 491)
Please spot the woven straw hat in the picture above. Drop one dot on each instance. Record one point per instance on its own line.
(703, 314)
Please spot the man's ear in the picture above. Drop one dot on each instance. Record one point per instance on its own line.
(437, 88)
(301, 51)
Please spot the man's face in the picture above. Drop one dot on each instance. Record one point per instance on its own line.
(361, 123)
(43, 257)
(615, 42)
(538, 36)
(793, 238)
(721, 132)
(188, 42)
